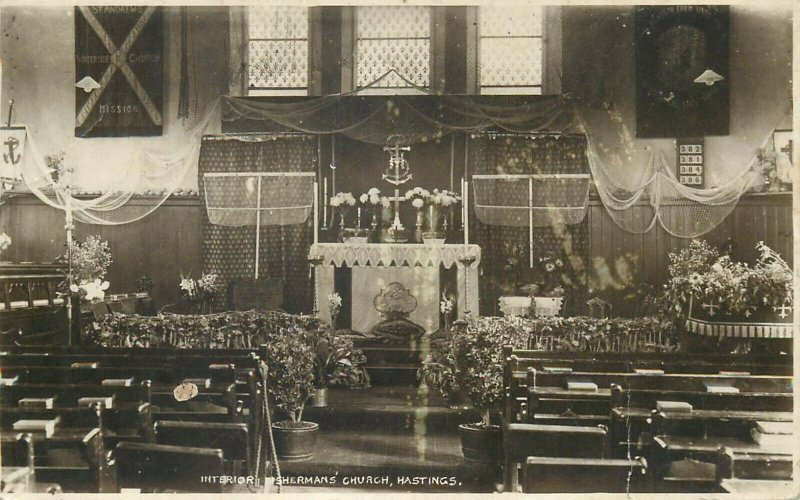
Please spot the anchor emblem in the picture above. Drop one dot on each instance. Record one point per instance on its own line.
(13, 144)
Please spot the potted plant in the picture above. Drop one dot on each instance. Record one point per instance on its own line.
(199, 293)
(290, 385)
(469, 363)
(336, 362)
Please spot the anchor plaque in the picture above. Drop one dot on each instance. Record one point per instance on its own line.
(13, 145)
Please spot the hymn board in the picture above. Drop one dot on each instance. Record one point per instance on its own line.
(119, 74)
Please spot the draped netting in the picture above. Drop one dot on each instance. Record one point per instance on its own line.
(682, 211)
(409, 119)
(129, 196)
(268, 199)
(537, 200)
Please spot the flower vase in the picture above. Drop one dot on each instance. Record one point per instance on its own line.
(374, 236)
(433, 218)
(418, 228)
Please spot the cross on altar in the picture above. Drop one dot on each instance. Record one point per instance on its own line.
(711, 308)
(784, 311)
(398, 173)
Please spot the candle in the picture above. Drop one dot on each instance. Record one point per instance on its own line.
(325, 201)
(316, 213)
(466, 213)
(358, 224)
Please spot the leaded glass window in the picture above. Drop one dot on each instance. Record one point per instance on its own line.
(393, 38)
(510, 45)
(277, 49)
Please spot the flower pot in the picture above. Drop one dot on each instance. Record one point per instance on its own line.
(295, 441)
(481, 444)
(319, 398)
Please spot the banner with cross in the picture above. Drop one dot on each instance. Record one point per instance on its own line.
(119, 59)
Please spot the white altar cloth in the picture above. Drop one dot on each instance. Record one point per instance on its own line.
(403, 255)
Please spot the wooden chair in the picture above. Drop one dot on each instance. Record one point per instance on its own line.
(583, 475)
(161, 467)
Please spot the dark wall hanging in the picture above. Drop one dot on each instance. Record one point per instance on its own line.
(119, 71)
(682, 70)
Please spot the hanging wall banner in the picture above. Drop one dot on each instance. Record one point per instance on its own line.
(12, 143)
(119, 71)
(682, 70)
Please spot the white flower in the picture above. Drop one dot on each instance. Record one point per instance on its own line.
(335, 300)
(717, 267)
(363, 198)
(335, 201)
(417, 203)
(73, 288)
(187, 284)
(349, 199)
(409, 194)
(5, 241)
(374, 199)
(385, 202)
(549, 267)
(447, 201)
(374, 192)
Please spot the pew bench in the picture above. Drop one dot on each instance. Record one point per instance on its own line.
(151, 467)
(584, 475)
(521, 441)
(232, 439)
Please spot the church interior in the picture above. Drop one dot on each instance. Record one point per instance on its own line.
(397, 249)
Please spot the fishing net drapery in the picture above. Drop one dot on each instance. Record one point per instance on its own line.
(415, 119)
(151, 176)
(682, 211)
(250, 198)
(536, 200)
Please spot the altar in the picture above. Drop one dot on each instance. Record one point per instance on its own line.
(415, 266)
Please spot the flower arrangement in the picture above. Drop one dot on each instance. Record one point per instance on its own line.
(371, 197)
(198, 293)
(343, 200)
(417, 197)
(721, 287)
(446, 307)
(334, 306)
(90, 290)
(550, 269)
(444, 198)
(5, 241)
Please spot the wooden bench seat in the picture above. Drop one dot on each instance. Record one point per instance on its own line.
(73, 458)
(583, 475)
(523, 440)
(232, 439)
(159, 467)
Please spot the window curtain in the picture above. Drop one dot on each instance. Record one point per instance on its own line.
(505, 249)
(229, 251)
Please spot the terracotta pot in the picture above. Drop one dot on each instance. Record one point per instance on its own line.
(481, 444)
(295, 442)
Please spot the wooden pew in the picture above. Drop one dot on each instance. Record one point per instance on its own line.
(753, 465)
(74, 456)
(669, 362)
(521, 441)
(583, 475)
(232, 439)
(160, 467)
(631, 410)
(677, 441)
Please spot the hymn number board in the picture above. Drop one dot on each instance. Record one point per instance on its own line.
(119, 71)
(690, 155)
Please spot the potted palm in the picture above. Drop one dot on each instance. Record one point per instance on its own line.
(469, 363)
(290, 387)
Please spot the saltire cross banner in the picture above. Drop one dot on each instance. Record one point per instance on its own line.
(119, 58)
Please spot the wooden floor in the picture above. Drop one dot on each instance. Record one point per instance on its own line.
(387, 439)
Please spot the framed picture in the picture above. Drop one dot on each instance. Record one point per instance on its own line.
(783, 153)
